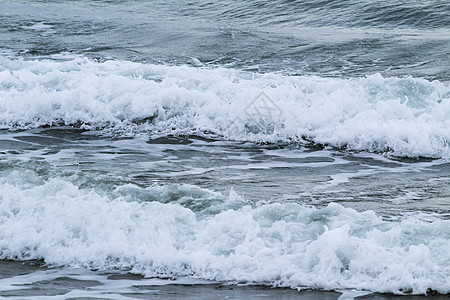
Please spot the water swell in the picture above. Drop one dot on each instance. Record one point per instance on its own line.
(382, 14)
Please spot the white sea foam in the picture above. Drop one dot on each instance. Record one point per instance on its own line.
(406, 116)
(39, 26)
(281, 244)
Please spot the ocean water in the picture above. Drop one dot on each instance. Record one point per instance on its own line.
(199, 149)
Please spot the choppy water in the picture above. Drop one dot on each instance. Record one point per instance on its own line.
(299, 144)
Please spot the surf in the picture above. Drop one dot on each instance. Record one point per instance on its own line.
(402, 116)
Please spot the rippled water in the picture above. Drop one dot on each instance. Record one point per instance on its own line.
(326, 38)
(223, 148)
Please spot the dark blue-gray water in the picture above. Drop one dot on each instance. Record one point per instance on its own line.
(204, 149)
(325, 38)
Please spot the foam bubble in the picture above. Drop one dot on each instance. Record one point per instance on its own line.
(41, 26)
(278, 244)
(404, 116)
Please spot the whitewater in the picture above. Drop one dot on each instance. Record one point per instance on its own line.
(402, 116)
(281, 244)
(221, 149)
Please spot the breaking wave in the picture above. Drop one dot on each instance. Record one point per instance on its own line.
(404, 116)
(287, 245)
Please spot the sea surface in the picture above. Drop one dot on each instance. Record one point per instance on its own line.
(224, 149)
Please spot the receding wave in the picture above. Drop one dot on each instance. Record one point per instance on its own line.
(404, 116)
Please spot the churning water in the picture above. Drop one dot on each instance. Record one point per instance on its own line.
(299, 144)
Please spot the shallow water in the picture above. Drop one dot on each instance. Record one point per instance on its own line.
(222, 149)
(25, 279)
